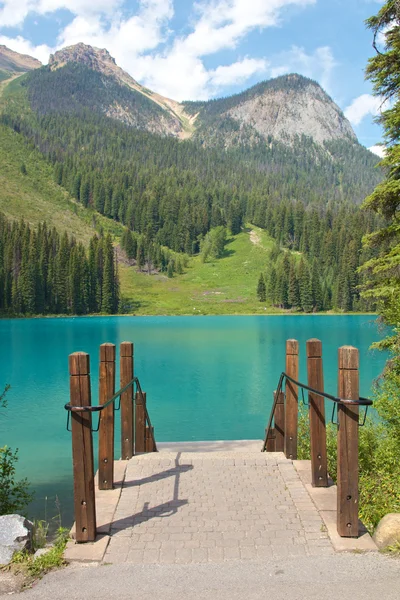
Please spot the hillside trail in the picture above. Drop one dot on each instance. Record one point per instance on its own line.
(5, 83)
(255, 238)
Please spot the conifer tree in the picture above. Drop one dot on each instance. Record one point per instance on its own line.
(306, 298)
(271, 288)
(261, 289)
(293, 293)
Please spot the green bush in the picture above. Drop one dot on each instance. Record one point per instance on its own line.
(14, 495)
(379, 465)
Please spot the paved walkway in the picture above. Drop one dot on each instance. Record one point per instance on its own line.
(229, 503)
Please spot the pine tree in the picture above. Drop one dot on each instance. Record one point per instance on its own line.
(293, 293)
(261, 289)
(316, 289)
(306, 298)
(271, 287)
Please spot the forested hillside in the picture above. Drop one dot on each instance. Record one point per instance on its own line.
(44, 272)
(171, 193)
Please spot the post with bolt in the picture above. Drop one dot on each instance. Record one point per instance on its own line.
(347, 461)
(106, 430)
(319, 468)
(291, 392)
(126, 374)
(82, 448)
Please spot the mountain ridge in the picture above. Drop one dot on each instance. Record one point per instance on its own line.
(282, 108)
(12, 63)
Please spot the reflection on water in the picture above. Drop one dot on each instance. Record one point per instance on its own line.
(206, 378)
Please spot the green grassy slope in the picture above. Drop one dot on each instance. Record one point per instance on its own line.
(36, 197)
(223, 286)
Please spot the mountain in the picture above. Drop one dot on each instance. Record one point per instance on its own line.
(132, 104)
(280, 156)
(284, 109)
(13, 63)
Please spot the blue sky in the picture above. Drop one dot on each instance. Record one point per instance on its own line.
(188, 50)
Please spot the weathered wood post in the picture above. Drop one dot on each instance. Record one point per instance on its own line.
(126, 375)
(82, 448)
(279, 419)
(291, 392)
(276, 435)
(319, 468)
(106, 430)
(347, 460)
(140, 423)
(149, 439)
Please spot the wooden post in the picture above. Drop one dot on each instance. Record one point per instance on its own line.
(280, 423)
(149, 439)
(291, 390)
(126, 374)
(82, 448)
(106, 430)
(347, 461)
(270, 447)
(140, 423)
(319, 468)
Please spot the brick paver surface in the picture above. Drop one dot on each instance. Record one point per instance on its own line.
(178, 507)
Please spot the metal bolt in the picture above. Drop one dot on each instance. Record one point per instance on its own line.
(104, 480)
(83, 503)
(84, 529)
(127, 439)
(349, 525)
(319, 457)
(106, 460)
(320, 478)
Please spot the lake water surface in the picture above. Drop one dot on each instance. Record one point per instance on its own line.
(206, 378)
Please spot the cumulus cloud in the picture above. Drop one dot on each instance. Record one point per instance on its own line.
(237, 72)
(316, 65)
(23, 46)
(362, 106)
(378, 149)
(173, 65)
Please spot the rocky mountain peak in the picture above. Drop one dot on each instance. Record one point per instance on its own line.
(14, 62)
(291, 106)
(98, 59)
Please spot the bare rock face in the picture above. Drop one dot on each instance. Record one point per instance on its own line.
(94, 58)
(17, 63)
(388, 531)
(289, 112)
(15, 535)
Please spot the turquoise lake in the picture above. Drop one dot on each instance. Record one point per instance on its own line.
(206, 378)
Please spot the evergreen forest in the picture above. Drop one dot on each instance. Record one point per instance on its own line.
(170, 195)
(45, 272)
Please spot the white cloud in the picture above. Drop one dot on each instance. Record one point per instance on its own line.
(141, 42)
(378, 149)
(317, 65)
(23, 46)
(364, 105)
(14, 12)
(237, 72)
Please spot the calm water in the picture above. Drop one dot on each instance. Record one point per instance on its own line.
(206, 378)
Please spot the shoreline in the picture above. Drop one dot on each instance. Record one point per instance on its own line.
(125, 315)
